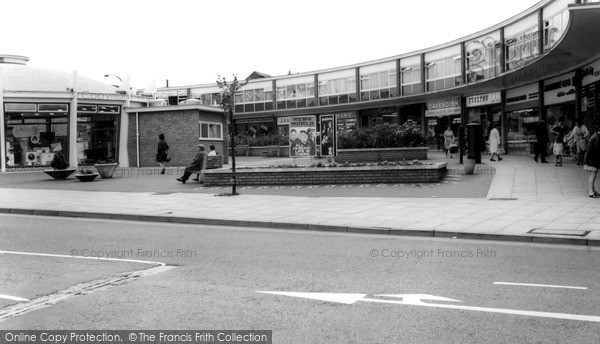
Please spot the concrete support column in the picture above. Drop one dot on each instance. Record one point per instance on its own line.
(73, 122)
(579, 89)
(3, 128)
(463, 63)
(124, 134)
(504, 52)
(503, 121)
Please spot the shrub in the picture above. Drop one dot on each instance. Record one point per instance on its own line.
(256, 141)
(383, 136)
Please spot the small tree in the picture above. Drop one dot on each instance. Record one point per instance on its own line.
(228, 91)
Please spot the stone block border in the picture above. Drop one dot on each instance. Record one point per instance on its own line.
(431, 173)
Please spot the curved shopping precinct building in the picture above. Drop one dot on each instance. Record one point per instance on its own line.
(542, 63)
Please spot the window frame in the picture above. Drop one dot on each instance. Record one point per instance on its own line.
(209, 123)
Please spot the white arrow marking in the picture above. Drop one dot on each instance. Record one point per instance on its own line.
(13, 298)
(347, 299)
(416, 300)
(541, 285)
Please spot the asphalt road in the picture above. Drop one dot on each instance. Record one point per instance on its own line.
(218, 271)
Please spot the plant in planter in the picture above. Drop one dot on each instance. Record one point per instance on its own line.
(106, 168)
(241, 144)
(383, 136)
(60, 167)
(86, 175)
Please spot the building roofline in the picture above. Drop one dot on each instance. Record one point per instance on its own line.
(173, 108)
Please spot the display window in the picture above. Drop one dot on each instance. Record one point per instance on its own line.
(521, 125)
(97, 133)
(35, 133)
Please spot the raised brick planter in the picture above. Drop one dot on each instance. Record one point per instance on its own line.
(329, 175)
(381, 154)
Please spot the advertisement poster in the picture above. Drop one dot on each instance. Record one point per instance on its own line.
(346, 121)
(303, 130)
(327, 136)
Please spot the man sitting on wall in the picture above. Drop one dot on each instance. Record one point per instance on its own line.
(196, 165)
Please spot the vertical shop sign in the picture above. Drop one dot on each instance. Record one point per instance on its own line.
(302, 135)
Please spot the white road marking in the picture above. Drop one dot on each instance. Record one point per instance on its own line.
(13, 298)
(82, 257)
(540, 285)
(416, 300)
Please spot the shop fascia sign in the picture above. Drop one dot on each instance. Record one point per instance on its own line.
(560, 89)
(283, 121)
(484, 99)
(590, 73)
(443, 107)
(522, 94)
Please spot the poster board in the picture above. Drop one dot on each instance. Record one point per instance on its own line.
(302, 136)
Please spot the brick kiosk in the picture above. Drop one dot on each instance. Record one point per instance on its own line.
(184, 126)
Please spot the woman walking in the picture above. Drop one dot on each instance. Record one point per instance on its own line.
(448, 141)
(495, 143)
(162, 153)
(591, 162)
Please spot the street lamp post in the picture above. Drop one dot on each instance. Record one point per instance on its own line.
(116, 76)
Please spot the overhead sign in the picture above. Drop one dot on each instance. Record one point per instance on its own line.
(417, 300)
(484, 99)
(443, 107)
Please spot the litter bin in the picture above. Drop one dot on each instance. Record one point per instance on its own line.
(475, 142)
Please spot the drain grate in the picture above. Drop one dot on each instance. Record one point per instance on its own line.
(502, 199)
(567, 232)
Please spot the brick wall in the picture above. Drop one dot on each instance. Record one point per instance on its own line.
(339, 175)
(381, 154)
(181, 130)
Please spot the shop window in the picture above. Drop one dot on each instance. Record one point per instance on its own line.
(24, 107)
(87, 109)
(343, 98)
(210, 131)
(32, 138)
(96, 138)
(53, 108)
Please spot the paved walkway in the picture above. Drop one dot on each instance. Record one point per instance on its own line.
(523, 196)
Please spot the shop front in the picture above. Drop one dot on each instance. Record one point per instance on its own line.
(255, 126)
(522, 115)
(35, 132)
(590, 95)
(376, 116)
(441, 115)
(486, 110)
(559, 99)
(96, 133)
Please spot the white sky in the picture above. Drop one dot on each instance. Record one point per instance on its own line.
(191, 42)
